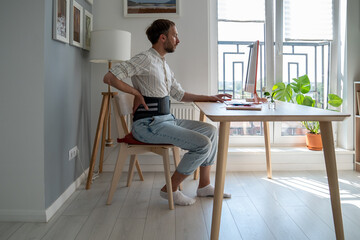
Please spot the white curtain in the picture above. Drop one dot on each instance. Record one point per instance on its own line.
(308, 20)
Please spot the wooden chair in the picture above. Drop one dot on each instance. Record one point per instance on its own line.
(129, 146)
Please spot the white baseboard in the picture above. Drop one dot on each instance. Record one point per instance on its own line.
(253, 159)
(49, 213)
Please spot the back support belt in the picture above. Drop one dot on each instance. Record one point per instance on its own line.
(157, 106)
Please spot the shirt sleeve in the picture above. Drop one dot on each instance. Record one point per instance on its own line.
(176, 91)
(134, 66)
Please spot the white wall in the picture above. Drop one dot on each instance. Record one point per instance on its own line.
(353, 40)
(351, 72)
(353, 59)
(190, 62)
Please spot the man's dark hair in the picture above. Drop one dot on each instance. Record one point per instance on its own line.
(158, 27)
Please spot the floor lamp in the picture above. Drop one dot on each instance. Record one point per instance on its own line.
(107, 46)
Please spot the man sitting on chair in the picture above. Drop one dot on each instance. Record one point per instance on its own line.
(153, 83)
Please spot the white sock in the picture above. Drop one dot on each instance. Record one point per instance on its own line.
(208, 191)
(179, 198)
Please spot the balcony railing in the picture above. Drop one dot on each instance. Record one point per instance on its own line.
(299, 58)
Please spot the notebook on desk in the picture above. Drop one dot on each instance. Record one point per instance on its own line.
(242, 105)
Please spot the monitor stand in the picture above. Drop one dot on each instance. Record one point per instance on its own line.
(256, 99)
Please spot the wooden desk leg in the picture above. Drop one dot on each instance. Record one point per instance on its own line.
(330, 162)
(267, 149)
(220, 178)
(202, 119)
(105, 102)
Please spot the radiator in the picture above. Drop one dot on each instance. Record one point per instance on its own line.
(183, 110)
(179, 110)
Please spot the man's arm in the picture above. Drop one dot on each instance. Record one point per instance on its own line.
(113, 81)
(189, 97)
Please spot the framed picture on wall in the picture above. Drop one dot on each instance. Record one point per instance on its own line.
(88, 25)
(61, 20)
(151, 8)
(76, 29)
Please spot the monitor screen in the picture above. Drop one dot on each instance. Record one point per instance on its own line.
(250, 82)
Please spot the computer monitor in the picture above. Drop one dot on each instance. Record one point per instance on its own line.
(251, 75)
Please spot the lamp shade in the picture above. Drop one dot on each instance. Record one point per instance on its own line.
(110, 46)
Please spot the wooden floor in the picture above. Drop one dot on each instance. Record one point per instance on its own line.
(293, 205)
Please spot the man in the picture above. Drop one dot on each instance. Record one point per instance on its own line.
(153, 83)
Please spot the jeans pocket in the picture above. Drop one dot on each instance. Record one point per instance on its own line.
(157, 123)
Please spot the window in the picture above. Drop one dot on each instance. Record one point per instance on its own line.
(302, 22)
(303, 33)
(240, 23)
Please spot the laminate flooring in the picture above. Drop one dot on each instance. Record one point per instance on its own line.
(292, 205)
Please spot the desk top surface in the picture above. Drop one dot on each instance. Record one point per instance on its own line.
(284, 111)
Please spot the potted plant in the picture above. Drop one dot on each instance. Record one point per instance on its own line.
(271, 101)
(297, 92)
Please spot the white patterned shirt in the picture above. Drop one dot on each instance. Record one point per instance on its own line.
(150, 75)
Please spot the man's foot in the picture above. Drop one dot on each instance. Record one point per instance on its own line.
(179, 198)
(208, 191)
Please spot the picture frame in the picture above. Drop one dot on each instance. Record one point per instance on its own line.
(88, 26)
(76, 29)
(153, 8)
(61, 19)
(90, 1)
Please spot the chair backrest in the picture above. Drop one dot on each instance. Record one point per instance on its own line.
(123, 104)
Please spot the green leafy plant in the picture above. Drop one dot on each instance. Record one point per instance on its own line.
(271, 96)
(296, 92)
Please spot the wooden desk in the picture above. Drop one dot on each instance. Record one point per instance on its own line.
(284, 112)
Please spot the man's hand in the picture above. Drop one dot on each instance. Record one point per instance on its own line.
(220, 97)
(139, 100)
(111, 79)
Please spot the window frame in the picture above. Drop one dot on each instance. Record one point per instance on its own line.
(274, 68)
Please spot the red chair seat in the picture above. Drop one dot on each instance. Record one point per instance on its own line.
(129, 139)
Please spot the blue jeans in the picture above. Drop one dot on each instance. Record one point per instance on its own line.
(199, 138)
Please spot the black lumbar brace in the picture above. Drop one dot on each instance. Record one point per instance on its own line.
(157, 106)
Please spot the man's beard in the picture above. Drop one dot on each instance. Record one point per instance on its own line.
(169, 48)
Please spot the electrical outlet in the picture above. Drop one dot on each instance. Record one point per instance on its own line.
(73, 152)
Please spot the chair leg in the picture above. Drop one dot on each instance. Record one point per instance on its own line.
(133, 158)
(176, 154)
(122, 155)
(139, 169)
(168, 177)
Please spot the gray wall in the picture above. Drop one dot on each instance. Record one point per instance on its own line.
(67, 110)
(22, 107)
(44, 110)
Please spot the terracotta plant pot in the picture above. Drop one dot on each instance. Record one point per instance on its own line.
(313, 141)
